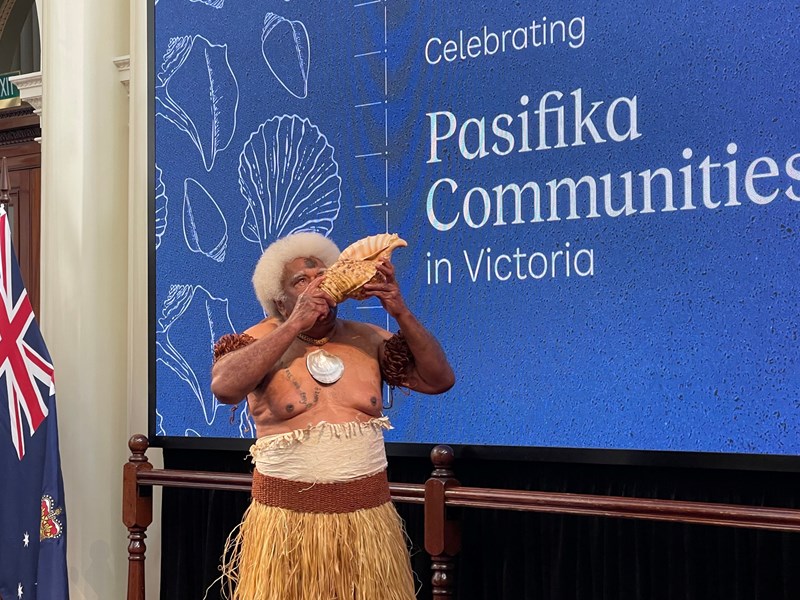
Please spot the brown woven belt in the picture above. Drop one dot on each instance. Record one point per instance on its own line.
(338, 497)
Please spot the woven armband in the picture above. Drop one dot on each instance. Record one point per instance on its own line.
(229, 343)
(397, 360)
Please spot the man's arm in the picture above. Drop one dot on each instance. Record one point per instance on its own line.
(431, 373)
(240, 372)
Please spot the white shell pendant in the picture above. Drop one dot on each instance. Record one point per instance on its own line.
(324, 366)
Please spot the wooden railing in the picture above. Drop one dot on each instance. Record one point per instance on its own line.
(440, 491)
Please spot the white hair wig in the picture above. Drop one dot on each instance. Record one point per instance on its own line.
(268, 274)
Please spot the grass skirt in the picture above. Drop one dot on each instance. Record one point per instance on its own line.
(282, 554)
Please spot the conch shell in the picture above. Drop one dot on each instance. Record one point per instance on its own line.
(358, 265)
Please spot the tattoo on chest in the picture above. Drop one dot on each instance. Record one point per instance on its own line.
(303, 397)
(316, 396)
(296, 385)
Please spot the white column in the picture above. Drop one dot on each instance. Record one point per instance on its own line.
(84, 276)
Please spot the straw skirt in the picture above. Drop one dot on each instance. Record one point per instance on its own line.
(321, 525)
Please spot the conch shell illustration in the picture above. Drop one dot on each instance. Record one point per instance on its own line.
(287, 50)
(357, 265)
(197, 92)
(161, 207)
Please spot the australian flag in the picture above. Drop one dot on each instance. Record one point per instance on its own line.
(33, 521)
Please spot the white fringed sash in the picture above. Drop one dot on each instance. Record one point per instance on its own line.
(324, 453)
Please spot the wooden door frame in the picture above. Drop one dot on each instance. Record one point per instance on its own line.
(19, 131)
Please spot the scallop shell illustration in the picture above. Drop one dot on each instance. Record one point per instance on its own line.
(161, 207)
(204, 227)
(287, 50)
(290, 180)
(358, 265)
(198, 93)
(324, 366)
(191, 320)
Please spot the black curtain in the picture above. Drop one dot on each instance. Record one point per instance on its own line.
(520, 556)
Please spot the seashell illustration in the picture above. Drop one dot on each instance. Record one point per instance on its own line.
(247, 426)
(290, 180)
(287, 50)
(198, 93)
(191, 321)
(324, 366)
(160, 424)
(204, 226)
(211, 3)
(357, 265)
(161, 207)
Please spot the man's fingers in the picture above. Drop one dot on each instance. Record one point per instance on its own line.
(387, 269)
(314, 284)
(385, 287)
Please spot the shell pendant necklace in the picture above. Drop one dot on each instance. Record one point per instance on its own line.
(324, 367)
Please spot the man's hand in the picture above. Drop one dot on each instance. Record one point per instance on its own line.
(312, 304)
(388, 292)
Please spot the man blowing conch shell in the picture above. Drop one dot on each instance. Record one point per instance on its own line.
(321, 525)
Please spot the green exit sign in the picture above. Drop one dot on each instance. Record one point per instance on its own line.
(9, 93)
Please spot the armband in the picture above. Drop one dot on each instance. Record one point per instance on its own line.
(397, 360)
(229, 343)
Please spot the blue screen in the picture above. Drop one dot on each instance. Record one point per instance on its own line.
(601, 202)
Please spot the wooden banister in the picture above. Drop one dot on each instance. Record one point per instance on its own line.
(137, 513)
(440, 492)
(727, 515)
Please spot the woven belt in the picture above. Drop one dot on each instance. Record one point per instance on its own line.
(337, 497)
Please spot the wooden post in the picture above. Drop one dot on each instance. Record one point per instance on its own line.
(442, 535)
(137, 513)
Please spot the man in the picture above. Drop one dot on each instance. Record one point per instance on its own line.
(321, 525)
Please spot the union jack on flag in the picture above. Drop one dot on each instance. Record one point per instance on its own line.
(33, 517)
(20, 365)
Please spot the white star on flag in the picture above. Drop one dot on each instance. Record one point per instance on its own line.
(26, 539)
(19, 590)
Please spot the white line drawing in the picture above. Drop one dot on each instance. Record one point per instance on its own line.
(161, 207)
(204, 226)
(191, 322)
(191, 433)
(247, 427)
(198, 93)
(211, 3)
(286, 48)
(160, 424)
(290, 180)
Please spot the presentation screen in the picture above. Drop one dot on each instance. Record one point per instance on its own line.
(601, 202)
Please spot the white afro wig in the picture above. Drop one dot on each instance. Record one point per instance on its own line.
(268, 274)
